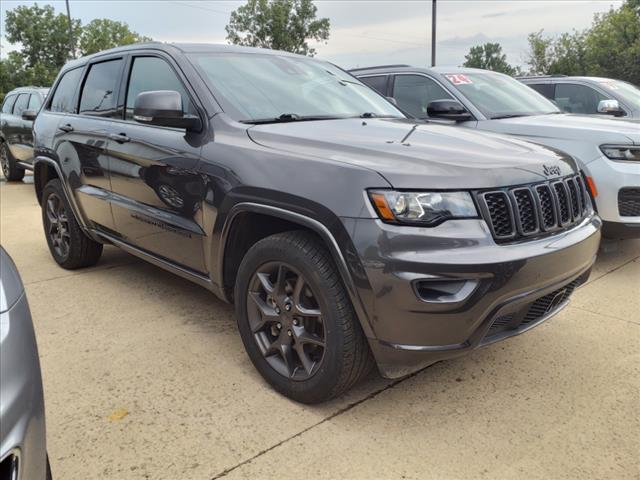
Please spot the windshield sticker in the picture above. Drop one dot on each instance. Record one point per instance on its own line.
(459, 79)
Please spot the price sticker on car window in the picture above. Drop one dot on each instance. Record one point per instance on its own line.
(459, 79)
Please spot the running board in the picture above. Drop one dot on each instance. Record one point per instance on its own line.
(184, 272)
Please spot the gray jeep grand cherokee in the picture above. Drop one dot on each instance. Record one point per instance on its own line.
(344, 232)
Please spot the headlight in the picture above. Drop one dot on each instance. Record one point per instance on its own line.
(422, 208)
(621, 152)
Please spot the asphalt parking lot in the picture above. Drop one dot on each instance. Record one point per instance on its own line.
(145, 377)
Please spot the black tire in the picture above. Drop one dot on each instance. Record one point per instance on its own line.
(49, 476)
(68, 244)
(10, 169)
(345, 357)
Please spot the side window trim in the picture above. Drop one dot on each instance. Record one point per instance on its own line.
(85, 75)
(126, 77)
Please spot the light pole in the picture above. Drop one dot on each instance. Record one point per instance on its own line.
(433, 33)
(72, 52)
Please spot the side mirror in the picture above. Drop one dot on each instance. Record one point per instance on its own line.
(29, 115)
(164, 109)
(392, 100)
(610, 107)
(448, 110)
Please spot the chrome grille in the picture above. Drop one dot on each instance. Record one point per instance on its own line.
(532, 210)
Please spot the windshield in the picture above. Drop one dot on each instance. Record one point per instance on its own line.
(500, 96)
(627, 92)
(264, 87)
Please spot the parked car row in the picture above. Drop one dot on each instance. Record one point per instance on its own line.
(348, 230)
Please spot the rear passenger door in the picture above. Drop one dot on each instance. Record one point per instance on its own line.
(157, 193)
(84, 135)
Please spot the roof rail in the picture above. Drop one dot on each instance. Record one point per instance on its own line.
(378, 67)
(555, 75)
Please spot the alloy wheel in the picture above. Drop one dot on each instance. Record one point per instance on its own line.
(58, 225)
(286, 321)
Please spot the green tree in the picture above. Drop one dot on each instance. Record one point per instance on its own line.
(102, 34)
(278, 24)
(570, 55)
(44, 37)
(489, 57)
(613, 43)
(539, 53)
(610, 48)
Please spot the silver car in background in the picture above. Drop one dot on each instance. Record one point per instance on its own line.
(589, 95)
(23, 452)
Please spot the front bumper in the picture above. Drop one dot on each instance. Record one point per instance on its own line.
(610, 177)
(22, 423)
(434, 293)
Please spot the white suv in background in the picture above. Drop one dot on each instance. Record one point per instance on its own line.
(589, 95)
(607, 150)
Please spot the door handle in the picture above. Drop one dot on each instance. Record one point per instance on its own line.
(66, 128)
(119, 137)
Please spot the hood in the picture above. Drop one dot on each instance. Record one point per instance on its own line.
(417, 156)
(596, 129)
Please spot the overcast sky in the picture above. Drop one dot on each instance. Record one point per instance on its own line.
(363, 32)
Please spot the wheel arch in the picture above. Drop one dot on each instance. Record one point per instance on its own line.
(46, 169)
(247, 223)
(43, 171)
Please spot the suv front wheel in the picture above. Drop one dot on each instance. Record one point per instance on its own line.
(10, 169)
(69, 245)
(296, 321)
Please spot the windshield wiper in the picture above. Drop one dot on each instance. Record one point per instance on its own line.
(290, 117)
(509, 115)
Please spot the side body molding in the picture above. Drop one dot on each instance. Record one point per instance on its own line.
(313, 225)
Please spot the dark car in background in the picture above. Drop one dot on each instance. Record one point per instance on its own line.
(589, 95)
(23, 446)
(344, 232)
(19, 109)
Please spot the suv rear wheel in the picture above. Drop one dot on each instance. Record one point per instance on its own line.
(10, 169)
(296, 321)
(68, 244)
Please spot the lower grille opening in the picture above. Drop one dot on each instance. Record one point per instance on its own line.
(629, 202)
(532, 312)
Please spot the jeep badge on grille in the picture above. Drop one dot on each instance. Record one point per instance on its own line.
(550, 170)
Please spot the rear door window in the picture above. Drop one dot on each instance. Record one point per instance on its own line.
(99, 92)
(21, 104)
(7, 106)
(415, 92)
(545, 89)
(378, 83)
(62, 100)
(153, 73)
